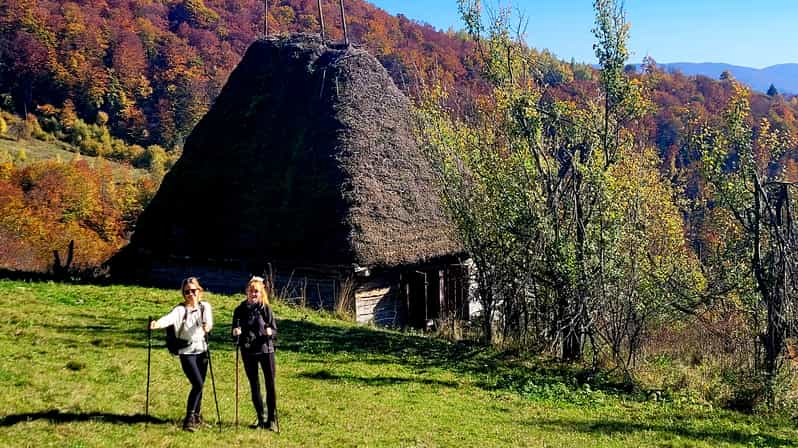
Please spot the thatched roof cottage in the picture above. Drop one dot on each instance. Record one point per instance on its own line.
(306, 165)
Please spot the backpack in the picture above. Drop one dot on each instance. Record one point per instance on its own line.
(175, 343)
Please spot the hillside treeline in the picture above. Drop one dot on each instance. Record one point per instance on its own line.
(155, 66)
(66, 217)
(71, 199)
(152, 68)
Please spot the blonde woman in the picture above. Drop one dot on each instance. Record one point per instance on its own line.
(193, 320)
(255, 328)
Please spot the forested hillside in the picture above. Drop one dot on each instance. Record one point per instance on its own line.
(153, 67)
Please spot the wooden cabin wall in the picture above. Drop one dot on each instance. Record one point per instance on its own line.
(312, 287)
(414, 296)
(378, 301)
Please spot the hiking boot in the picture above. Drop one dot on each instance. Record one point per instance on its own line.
(261, 423)
(190, 423)
(201, 423)
(271, 425)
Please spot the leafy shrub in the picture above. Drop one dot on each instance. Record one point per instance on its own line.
(32, 129)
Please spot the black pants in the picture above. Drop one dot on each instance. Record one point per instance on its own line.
(266, 362)
(195, 367)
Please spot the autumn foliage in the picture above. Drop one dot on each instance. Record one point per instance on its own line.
(128, 79)
(154, 67)
(46, 205)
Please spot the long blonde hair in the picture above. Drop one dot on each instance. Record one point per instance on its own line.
(259, 284)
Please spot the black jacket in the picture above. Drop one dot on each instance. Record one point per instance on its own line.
(253, 320)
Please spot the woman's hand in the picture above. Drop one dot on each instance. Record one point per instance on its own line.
(153, 325)
(205, 328)
(236, 331)
(269, 331)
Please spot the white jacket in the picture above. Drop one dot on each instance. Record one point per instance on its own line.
(191, 328)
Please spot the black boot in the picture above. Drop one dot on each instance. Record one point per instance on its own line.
(261, 423)
(190, 422)
(201, 423)
(271, 425)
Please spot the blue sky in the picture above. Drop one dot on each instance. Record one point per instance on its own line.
(739, 32)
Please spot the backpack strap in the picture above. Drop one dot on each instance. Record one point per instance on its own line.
(185, 316)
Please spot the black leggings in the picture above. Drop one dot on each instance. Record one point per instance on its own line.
(266, 361)
(195, 367)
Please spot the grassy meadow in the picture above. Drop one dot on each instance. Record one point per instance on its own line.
(39, 151)
(74, 365)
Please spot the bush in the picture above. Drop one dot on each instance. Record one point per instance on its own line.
(7, 101)
(32, 128)
(102, 118)
(155, 160)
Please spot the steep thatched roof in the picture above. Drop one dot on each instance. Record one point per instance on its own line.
(307, 155)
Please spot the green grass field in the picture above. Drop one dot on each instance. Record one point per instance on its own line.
(73, 363)
(37, 151)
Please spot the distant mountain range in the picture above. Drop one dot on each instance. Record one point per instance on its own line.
(783, 76)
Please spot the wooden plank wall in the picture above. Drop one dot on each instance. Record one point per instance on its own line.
(378, 302)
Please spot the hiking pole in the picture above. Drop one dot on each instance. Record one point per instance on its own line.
(276, 414)
(213, 383)
(149, 357)
(274, 379)
(237, 339)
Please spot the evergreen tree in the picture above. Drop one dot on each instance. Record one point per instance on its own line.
(726, 75)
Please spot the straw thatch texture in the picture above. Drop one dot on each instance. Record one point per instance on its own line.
(306, 156)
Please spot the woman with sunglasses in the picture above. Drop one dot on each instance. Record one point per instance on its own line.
(255, 328)
(193, 320)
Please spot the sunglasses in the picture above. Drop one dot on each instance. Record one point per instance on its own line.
(190, 291)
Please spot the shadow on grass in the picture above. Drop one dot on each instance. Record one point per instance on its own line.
(100, 334)
(493, 370)
(373, 381)
(108, 333)
(709, 435)
(56, 416)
